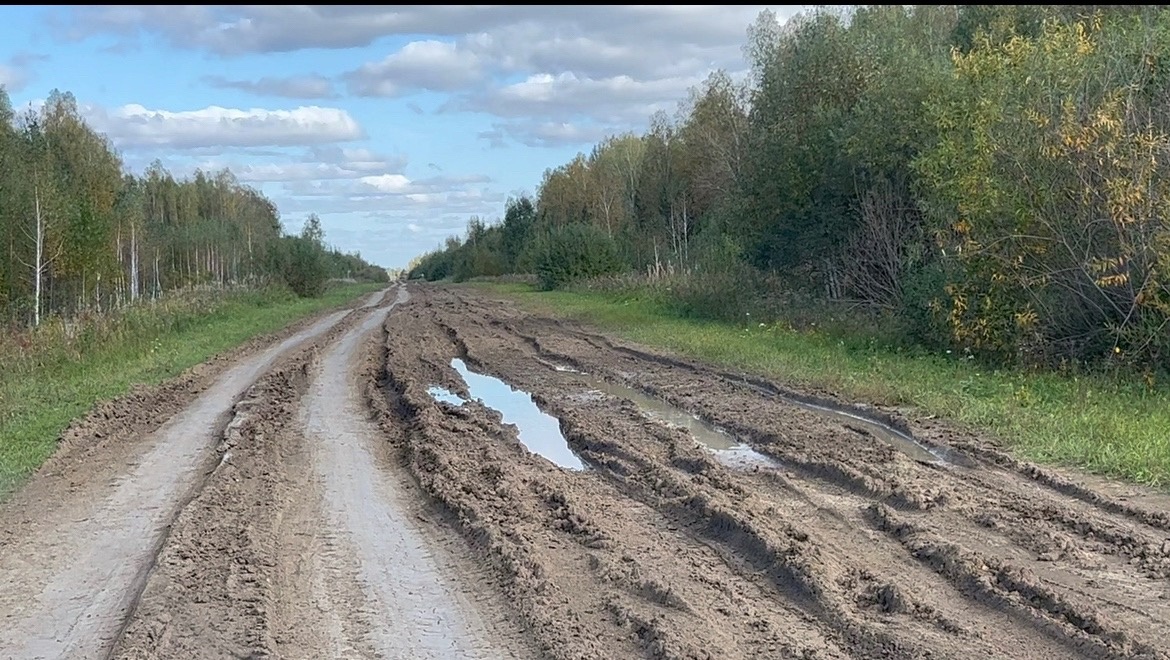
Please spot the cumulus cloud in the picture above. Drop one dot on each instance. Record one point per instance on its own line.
(133, 125)
(430, 65)
(544, 133)
(386, 185)
(568, 69)
(319, 163)
(565, 96)
(240, 29)
(414, 206)
(310, 86)
(541, 76)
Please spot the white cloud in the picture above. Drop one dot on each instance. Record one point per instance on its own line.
(582, 69)
(544, 76)
(133, 126)
(12, 78)
(310, 86)
(415, 206)
(388, 183)
(560, 98)
(430, 65)
(317, 163)
(545, 133)
(239, 29)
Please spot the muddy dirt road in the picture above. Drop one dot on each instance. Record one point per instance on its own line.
(442, 475)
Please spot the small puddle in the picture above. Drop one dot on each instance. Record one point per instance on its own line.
(727, 449)
(539, 432)
(732, 452)
(439, 394)
(899, 440)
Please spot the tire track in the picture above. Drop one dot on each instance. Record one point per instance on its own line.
(76, 569)
(302, 544)
(1016, 562)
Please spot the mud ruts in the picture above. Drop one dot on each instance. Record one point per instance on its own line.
(851, 547)
(839, 543)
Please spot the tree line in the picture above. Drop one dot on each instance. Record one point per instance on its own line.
(993, 177)
(78, 233)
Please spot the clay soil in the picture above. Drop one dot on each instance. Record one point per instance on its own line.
(327, 505)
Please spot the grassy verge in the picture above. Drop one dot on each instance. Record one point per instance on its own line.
(56, 374)
(1105, 425)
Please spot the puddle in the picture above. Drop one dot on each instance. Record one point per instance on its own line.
(727, 449)
(539, 432)
(439, 394)
(905, 443)
(732, 452)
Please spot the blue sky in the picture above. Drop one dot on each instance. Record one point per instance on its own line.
(395, 124)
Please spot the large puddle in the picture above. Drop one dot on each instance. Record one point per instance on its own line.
(539, 432)
(732, 452)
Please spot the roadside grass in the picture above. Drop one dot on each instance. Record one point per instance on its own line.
(1107, 425)
(54, 375)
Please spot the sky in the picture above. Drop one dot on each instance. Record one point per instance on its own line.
(394, 124)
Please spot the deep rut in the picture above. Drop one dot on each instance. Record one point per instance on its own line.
(308, 542)
(409, 605)
(349, 512)
(852, 546)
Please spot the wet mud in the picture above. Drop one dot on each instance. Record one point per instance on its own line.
(78, 542)
(849, 532)
(442, 475)
(303, 543)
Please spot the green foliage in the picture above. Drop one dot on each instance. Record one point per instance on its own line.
(519, 220)
(300, 263)
(993, 176)
(54, 373)
(1048, 185)
(573, 252)
(438, 264)
(83, 236)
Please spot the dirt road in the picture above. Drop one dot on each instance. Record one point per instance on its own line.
(445, 476)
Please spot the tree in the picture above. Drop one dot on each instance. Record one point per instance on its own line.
(312, 231)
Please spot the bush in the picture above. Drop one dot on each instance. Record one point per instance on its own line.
(573, 252)
(300, 263)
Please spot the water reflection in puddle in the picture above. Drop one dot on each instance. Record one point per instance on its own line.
(901, 441)
(732, 452)
(539, 432)
(439, 394)
(727, 449)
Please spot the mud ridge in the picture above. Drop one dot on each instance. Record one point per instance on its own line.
(207, 593)
(1157, 519)
(1012, 586)
(146, 407)
(349, 507)
(963, 451)
(799, 530)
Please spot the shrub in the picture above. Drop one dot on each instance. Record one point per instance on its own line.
(300, 263)
(573, 252)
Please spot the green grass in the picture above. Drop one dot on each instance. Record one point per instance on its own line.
(1106, 425)
(54, 376)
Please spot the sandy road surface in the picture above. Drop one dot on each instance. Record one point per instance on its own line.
(407, 492)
